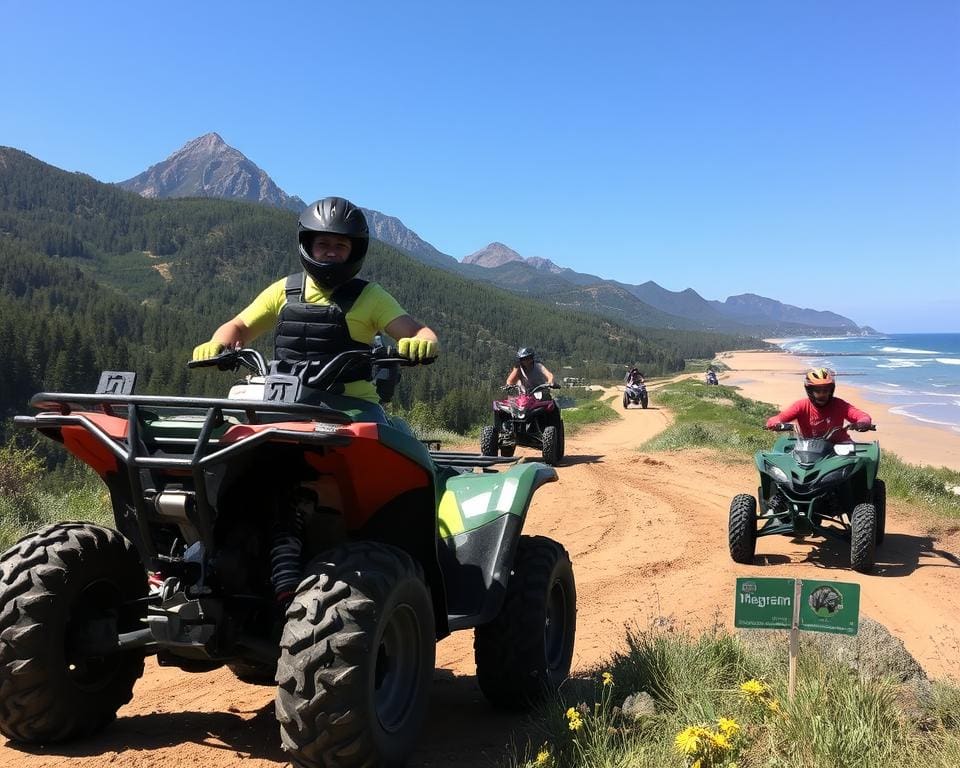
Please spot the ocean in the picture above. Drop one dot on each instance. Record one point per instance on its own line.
(917, 373)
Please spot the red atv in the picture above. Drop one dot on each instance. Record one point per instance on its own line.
(525, 418)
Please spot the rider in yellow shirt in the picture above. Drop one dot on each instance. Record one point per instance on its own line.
(326, 309)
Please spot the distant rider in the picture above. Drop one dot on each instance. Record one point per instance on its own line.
(528, 373)
(821, 411)
(326, 309)
(633, 377)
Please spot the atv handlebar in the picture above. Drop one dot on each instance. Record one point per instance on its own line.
(234, 359)
(516, 387)
(788, 427)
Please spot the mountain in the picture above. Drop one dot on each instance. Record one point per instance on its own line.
(494, 255)
(392, 231)
(209, 167)
(749, 305)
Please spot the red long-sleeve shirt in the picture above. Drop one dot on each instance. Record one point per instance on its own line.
(816, 422)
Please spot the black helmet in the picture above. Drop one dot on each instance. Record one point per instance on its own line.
(524, 353)
(334, 216)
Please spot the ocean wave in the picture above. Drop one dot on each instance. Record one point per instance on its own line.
(909, 351)
(903, 410)
(894, 363)
(949, 360)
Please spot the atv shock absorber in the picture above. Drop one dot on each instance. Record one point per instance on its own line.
(285, 570)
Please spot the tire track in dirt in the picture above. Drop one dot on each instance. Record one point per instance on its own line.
(647, 535)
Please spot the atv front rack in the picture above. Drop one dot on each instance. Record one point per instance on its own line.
(132, 451)
(457, 459)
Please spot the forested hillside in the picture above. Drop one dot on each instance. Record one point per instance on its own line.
(93, 277)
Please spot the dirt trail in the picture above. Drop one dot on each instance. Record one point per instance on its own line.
(647, 535)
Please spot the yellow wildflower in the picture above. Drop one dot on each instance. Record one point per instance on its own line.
(688, 741)
(543, 757)
(774, 706)
(607, 678)
(720, 741)
(728, 727)
(753, 688)
(574, 720)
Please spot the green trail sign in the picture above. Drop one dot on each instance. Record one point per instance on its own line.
(764, 603)
(830, 606)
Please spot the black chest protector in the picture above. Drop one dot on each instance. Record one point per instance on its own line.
(308, 336)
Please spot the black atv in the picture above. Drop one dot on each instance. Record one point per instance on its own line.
(294, 535)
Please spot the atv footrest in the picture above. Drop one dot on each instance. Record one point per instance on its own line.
(455, 459)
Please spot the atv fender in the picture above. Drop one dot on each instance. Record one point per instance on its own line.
(481, 517)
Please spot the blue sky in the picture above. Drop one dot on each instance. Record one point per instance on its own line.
(809, 152)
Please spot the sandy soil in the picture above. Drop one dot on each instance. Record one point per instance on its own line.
(647, 535)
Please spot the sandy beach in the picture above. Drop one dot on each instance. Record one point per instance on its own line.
(776, 377)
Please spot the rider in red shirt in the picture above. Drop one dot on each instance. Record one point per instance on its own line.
(821, 411)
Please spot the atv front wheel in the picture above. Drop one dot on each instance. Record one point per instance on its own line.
(64, 591)
(880, 504)
(526, 651)
(644, 399)
(551, 446)
(356, 659)
(863, 537)
(742, 528)
(626, 401)
(488, 441)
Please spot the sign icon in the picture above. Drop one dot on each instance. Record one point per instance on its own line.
(116, 383)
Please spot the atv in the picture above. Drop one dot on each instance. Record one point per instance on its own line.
(635, 394)
(294, 535)
(525, 418)
(810, 486)
(711, 377)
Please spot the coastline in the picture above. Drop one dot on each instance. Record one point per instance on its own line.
(775, 377)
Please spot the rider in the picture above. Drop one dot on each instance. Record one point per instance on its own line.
(326, 309)
(821, 411)
(528, 373)
(633, 376)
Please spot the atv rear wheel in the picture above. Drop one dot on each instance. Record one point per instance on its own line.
(488, 441)
(742, 528)
(63, 589)
(551, 446)
(356, 659)
(526, 651)
(863, 537)
(880, 504)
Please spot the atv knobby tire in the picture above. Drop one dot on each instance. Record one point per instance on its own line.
(644, 399)
(551, 446)
(54, 584)
(626, 401)
(742, 528)
(526, 651)
(880, 504)
(863, 537)
(356, 659)
(488, 441)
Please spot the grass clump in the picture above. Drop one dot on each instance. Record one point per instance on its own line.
(672, 699)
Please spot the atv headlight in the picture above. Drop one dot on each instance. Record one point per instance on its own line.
(778, 474)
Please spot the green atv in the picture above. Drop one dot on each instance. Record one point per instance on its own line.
(810, 486)
(298, 537)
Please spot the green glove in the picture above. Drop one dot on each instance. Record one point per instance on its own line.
(207, 350)
(418, 350)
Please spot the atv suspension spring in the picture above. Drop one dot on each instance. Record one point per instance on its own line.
(285, 570)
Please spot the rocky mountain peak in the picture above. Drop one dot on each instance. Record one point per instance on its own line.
(494, 255)
(209, 167)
